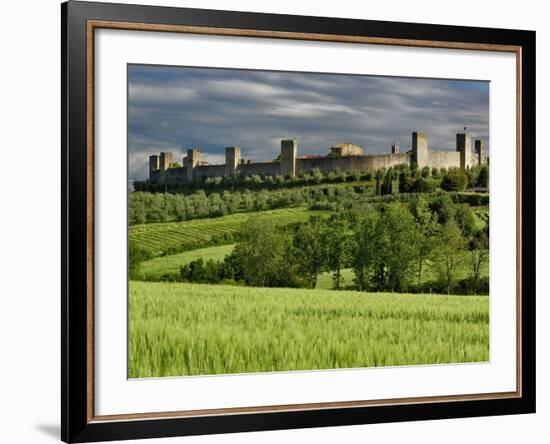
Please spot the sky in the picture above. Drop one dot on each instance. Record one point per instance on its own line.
(176, 108)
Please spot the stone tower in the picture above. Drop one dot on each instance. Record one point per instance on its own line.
(154, 165)
(479, 152)
(289, 150)
(193, 159)
(464, 147)
(420, 150)
(232, 159)
(394, 148)
(165, 161)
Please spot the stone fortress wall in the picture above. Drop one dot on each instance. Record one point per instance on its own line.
(344, 157)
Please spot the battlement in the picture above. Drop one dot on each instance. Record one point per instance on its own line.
(343, 157)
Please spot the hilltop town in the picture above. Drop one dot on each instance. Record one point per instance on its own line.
(342, 157)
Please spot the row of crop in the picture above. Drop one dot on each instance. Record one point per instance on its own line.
(242, 329)
(170, 238)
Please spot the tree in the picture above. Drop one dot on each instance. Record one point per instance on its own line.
(472, 173)
(454, 180)
(397, 245)
(387, 185)
(257, 180)
(260, 202)
(425, 172)
(379, 176)
(310, 249)
(364, 250)
(449, 253)
(260, 259)
(423, 185)
(479, 253)
(317, 175)
(194, 271)
(414, 169)
(355, 175)
(483, 178)
(279, 180)
(465, 220)
(405, 181)
(428, 231)
(337, 245)
(442, 205)
(136, 255)
(385, 248)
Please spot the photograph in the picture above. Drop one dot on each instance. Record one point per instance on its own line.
(286, 221)
(275, 220)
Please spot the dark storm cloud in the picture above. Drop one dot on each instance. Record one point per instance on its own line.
(173, 108)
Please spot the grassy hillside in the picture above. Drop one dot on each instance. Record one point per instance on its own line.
(158, 267)
(159, 238)
(190, 329)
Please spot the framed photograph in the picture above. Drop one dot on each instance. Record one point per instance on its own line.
(275, 221)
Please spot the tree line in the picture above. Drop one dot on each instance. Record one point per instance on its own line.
(151, 208)
(410, 177)
(388, 247)
(164, 207)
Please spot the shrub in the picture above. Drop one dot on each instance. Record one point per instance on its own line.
(454, 180)
(423, 185)
(483, 178)
(472, 199)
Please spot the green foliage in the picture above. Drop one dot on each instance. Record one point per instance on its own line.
(479, 251)
(136, 255)
(338, 247)
(318, 190)
(423, 185)
(465, 220)
(412, 182)
(209, 272)
(261, 259)
(443, 206)
(483, 177)
(387, 245)
(190, 329)
(472, 199)
(364, 252)
(240, 182)
(154, 208)
(379, 176)
(393, 247)
(167, 268)
(454, 180)
(310, 250)
(175, 237)
(449, 253)
(387, 185)
(428, 231)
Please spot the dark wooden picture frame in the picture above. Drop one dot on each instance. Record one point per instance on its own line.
(79, 21)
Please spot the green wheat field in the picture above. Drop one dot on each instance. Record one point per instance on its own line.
(180, 329)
